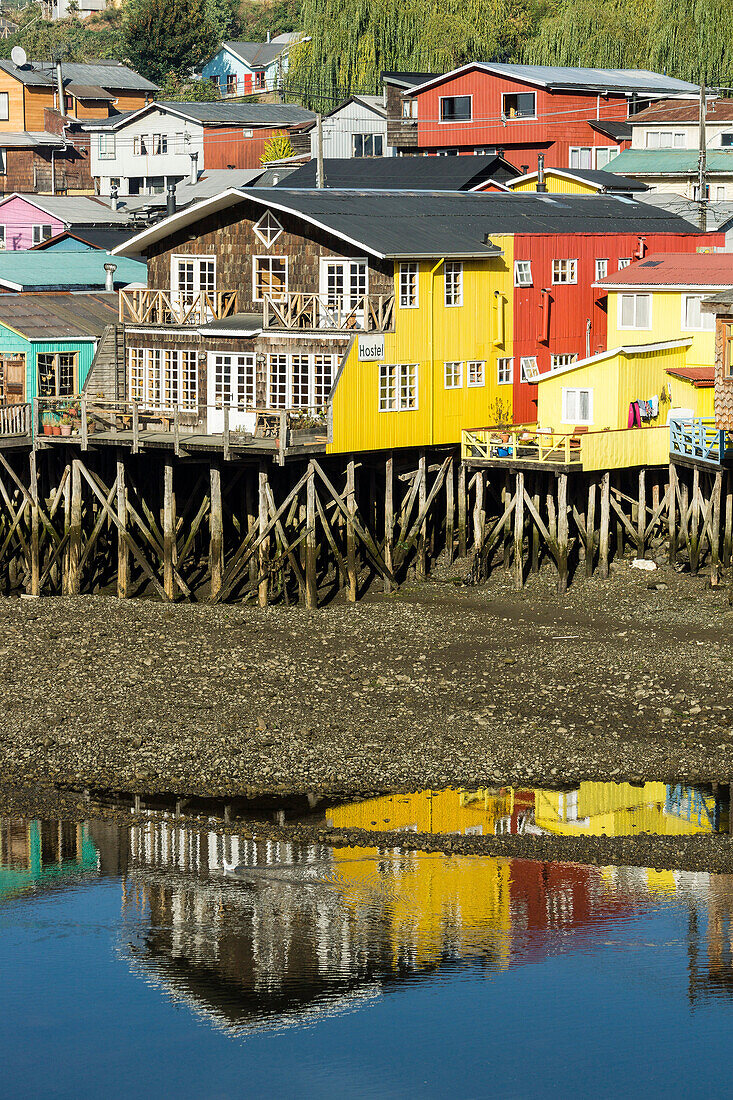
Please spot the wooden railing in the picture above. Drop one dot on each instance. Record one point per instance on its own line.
(698, 440)
(527, 444)
(309, 312)
(15, 420)
(173, 307)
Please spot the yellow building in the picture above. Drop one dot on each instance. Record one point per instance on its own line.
(578, 181)
(624, 809)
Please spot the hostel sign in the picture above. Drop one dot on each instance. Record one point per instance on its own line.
(371, 347)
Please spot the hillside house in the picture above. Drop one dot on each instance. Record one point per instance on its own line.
(578, 118)
(242, 68)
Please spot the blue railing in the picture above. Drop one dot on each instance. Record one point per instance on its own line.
(698, 440)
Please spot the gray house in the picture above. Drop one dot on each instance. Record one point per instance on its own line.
(356, 128)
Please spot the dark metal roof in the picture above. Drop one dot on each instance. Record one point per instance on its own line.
(410, 173)
(111, 75)
(255, 54)
(58, 316)
(88, 91)
(240, 114)
(617, 131)
(239, 324)
(407, 80)
(106, 239)
(610, 180)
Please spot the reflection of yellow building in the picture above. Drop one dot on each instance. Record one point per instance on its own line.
(622, 809)
(456, 811)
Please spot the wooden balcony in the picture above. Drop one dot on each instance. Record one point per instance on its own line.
(166, 307)
(299, 312)
(528, 447)
(697, 440)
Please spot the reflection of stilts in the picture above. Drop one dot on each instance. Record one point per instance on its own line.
(692, 925)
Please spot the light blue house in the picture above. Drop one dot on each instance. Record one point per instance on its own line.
(243, 68)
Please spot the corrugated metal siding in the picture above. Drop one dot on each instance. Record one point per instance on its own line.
(558, 185)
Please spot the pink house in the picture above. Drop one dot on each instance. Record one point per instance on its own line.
(27, 220)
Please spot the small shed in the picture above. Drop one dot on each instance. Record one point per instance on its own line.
(48, 342)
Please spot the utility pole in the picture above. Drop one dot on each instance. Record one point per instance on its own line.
(320, 174)
(702, 165)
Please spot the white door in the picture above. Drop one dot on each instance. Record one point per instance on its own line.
(231, 385)
(344, 283)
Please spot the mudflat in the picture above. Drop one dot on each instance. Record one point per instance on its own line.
(442, 684)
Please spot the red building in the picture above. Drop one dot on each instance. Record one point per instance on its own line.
(576, 117)
(558, 315)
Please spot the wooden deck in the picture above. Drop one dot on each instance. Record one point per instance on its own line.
(188, 445)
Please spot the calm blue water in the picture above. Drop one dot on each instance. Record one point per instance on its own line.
(134, 964)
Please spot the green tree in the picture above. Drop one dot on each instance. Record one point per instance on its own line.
(164, 36)
(188, 91)
(224, 17)
(277, 148)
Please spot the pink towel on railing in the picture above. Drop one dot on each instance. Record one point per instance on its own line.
(634, 415)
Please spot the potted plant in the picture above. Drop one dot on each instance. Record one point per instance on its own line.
(65, 425)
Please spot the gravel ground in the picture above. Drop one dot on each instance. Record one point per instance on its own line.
(439, 685)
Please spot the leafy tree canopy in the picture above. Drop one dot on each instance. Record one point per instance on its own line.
(188, 91)
(164, 36)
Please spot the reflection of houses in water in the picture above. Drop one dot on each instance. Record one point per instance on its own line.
(36, 854)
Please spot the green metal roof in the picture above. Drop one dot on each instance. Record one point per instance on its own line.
(672, 161)
(31, 270)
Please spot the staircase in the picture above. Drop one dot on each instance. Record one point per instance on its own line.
(106, 376)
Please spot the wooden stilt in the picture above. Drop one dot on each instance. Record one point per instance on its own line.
(74, 575)
(34, 573)
(728, 536)
(123, 553)
(351, 591)
(590, 528)
(216, 529)
(250, 504)
(421, 565)
(311, 588)
(672, 514)
(263, 590)
(388, 518)
(641, 515)
(449, 511)
(67, 534)
(715, 530)
(605, 524)
(462, 510)
(169, 530)
(695, 522)
(479, 516)
(536, 533)
(506, 498)
(519, 531)
(562, 532)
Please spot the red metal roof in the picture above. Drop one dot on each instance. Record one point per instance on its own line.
(671, 110)
(701, 377)
(676, 269)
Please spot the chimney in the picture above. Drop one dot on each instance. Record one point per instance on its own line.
(194, 168)
(60, 86)
(268, 36)
(541, 185)
(114, 196)
(524, 169)
(109, 282)
(170, 202)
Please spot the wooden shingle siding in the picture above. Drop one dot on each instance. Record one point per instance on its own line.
(723, 381)
(401, 134)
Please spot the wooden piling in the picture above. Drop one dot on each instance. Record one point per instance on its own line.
(562, 532)
(715, 530)
(263, 588)
(728, 535)
(478, 515)
(462, 509)
(34, 572)
(641, 515)
(216, 529)
(311, 588)
(590, 528)
(74, 574)
(250, 505)
(604, 533)
(123, 553)
(536, 533)
(169, 530)
(695, 522)
(351, 571)
(672, 514)
(421, 566)
(518, 570)
(388, 518)
(449, 511)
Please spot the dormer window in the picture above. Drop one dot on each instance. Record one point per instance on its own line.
(268, 229)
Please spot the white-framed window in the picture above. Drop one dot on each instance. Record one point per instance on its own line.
(577, 406)
(581, 156)
(300, 381)
(522, 273)
(163, 379)
(453, 283)
(191, 276)
(601, 269)
(456, 108)
(665, 139)
(693, 318)
(504, 372)
(453, 375)
(409, 108)
(557, 362)
(367, 145)
(42, 233)
(528, 369)
(180, 141)
(397, 387)
(624, 262)
(409, 285)
(604, 154)
(269, 277)
(140, 145)
(564, 271)
(519, 105)
(268, 229)
(107, 146)
(635, 311)
(57, 373)
(277, 381)
(720, 192)
(4, 106)
(160, 144)
(475, 373)
(2, 238)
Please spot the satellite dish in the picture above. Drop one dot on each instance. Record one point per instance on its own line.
(18, 57)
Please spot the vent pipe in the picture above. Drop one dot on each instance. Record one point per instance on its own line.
(60, 87)
(114, 196)
(170, 202)
(194, 168)
(541, 185)
(109, 281)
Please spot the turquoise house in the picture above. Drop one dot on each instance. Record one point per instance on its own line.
(40, 853)
(48, 342)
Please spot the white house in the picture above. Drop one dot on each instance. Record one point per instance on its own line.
(356, 128)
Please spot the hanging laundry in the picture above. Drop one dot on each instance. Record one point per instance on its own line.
(634, 415)
(654, 406)
(644, 410)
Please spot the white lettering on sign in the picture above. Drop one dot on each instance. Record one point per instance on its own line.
(371, 348)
